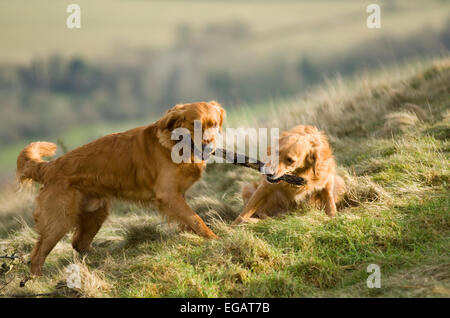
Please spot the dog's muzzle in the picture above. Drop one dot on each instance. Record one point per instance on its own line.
(271, 178)
(207, 150)
(205, 153)
(289, 178)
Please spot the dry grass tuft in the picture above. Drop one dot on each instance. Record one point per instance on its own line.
(399, 122)
(94, 283)
(15, 205)
(361, 190)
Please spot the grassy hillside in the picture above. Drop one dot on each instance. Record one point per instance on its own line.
(391, 140)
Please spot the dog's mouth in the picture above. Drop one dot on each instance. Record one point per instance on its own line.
(276, 177)
(272, 179)
(208, 148)
(287, 177)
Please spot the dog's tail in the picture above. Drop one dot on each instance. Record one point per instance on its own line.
(30, 164)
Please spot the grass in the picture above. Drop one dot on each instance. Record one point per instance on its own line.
(391, 140)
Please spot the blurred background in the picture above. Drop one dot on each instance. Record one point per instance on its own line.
(133, 59)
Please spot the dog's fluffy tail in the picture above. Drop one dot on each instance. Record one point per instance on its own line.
(30, 164)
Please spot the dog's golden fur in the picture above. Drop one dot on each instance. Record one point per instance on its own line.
(303, 151)
(135, 165)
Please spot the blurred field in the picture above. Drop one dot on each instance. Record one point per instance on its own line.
(37, 28)
(390, 134)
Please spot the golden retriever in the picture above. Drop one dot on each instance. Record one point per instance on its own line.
(303, 151)
(135, 165)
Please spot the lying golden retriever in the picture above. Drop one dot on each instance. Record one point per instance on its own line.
(135, 165)
(303, 151)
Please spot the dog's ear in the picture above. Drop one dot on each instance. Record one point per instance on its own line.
(172, 119)
(221, 111)
(222, 118)
(313, 159)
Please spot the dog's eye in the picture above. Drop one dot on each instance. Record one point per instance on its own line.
(289, 160)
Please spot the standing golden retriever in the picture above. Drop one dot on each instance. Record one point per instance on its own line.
(303, 151)
(135, 165)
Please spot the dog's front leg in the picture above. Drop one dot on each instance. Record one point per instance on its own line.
(330, 204)
(175, 207)
(258, 198)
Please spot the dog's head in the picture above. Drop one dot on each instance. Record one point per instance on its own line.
(209, 116)
(297, 152)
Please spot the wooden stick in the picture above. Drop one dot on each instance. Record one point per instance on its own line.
(243, 160)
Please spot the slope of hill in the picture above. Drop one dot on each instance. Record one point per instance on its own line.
(391, 140)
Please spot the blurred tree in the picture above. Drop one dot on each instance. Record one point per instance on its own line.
(221, 83)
